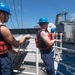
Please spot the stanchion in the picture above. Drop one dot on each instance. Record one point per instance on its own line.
(37, 63)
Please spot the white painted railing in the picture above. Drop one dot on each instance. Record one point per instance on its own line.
(37, 62)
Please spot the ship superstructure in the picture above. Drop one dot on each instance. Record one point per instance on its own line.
(65, 26)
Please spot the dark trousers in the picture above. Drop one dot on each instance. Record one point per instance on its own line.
(47, 57)
(5, 65)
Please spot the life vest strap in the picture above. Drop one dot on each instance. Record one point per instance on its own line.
(36, 41)
(4, 47)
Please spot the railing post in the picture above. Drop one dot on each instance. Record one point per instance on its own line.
(61, 42)
(37, 63)
(55, 51)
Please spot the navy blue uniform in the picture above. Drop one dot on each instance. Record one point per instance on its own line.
(5, 65)
(47, 57)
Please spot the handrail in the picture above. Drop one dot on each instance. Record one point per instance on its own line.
(65, 49)
(65, 65)
(37, 72)
(59, 72)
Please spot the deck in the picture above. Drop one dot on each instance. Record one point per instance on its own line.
(29, 70)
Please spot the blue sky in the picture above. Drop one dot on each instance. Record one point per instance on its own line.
(32, 10)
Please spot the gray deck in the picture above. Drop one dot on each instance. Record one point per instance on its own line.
(30, 68)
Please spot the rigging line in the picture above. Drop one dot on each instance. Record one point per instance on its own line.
(4, 1)
(10, 17)
(12, 22)
(21, 15)
(15, 13)
(16, 16)
(22, 18)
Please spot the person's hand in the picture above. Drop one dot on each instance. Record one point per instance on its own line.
(59, 41)
(56, 34)
(27, 36)
(16, 51)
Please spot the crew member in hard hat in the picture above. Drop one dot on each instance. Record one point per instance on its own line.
(7, 41)
(44, 42)
(52, 29)
(53, 33)
(51, 26)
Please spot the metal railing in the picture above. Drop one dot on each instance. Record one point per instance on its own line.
(58, 53)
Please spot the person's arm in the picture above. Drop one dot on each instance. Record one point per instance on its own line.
(54, 35)
(49, 42)
(9, 38)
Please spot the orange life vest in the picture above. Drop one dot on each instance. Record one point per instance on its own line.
(40, 43)
(4, 45)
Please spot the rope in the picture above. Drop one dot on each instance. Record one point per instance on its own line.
(21, 15)
(15, 13)
(12, 22)
(5, 1)
(10, 17)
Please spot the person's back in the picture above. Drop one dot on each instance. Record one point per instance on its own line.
(7, 41)
(46, 49)
(41, 44)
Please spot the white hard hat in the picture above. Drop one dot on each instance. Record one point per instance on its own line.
(50, 26)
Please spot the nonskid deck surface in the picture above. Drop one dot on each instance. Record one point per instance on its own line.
(29, 69)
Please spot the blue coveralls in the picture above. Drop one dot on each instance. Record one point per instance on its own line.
(5, 65)
(46, 56)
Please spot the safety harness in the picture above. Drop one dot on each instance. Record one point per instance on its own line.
(40, 43)
(4, 45)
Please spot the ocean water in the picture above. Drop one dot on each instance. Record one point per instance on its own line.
(69, 59)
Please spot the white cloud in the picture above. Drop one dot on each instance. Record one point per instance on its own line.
(73, 16)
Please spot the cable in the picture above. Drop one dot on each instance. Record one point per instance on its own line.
(21, 15)
(12, 22)
(15, 13)
(10, 17)
(4, 1)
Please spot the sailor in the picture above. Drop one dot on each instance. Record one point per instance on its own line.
(7, 41)
(44, 43)
(53, 33)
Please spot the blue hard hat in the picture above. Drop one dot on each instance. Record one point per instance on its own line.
(4, 7)
(52, 29)
(43, 19)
